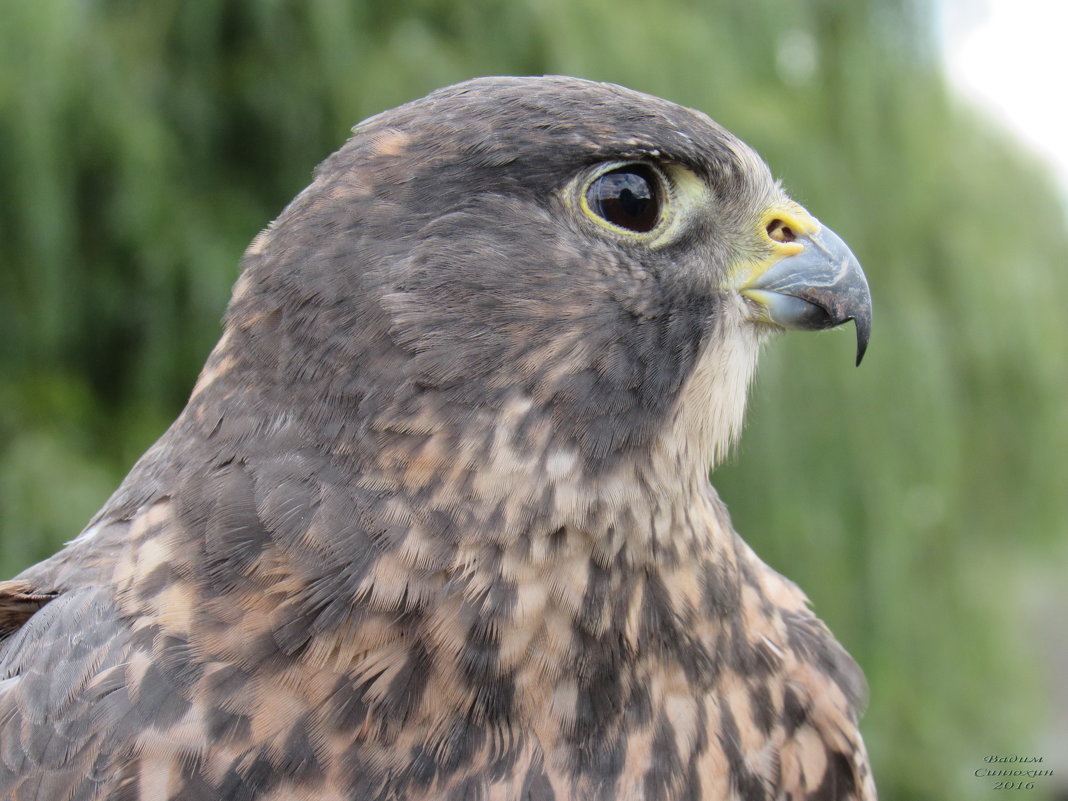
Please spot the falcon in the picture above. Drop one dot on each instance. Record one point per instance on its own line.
(436, 521)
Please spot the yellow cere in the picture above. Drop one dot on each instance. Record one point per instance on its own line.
(791, 215)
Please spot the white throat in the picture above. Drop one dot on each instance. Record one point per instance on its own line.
(710, 412)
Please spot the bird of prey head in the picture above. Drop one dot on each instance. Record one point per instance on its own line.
(436, 522)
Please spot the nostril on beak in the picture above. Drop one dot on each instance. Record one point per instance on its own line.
(779, 231)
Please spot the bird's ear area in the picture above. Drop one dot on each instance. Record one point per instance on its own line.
(19, 601)
(639, 201)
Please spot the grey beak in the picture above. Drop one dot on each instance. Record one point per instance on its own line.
(820, 287)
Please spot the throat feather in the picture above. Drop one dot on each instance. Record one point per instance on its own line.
(708, 417)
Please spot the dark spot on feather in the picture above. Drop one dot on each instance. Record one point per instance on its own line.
(659, 623)
(346, 709)
(691, 788)
(495, 698)
(839, 781)
(603, 762)
(700, 664)
(292, 627)
(701, 741)
(597, 705)
(226, 682)
(177, 661)
(263, 654)
(361, 773)
(159, 579)
(748, 784)
(195, 787)
(459, 745)
(225, 726)
(143, 638)
(719, 591)
(794, 711)
(252, 776)
(665, 765)
(422, 767)
(495, 520)
(598, 596)
(741, 656)
(194, 784)
(536, 786)
(480, 656)
(287, 506)
(443, 524)
(767, 657)
(639, 706)
(470, 789)
(763, 709)
(408, 685)
(234, 537)
(299, 761)
(501, 599)
(598, 740)
(159, 701)
(126, 788)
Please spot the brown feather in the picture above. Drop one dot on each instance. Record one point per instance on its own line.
(19, 601)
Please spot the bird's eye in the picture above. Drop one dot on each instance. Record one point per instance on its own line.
(629, 197)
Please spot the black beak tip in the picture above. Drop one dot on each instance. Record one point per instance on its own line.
(863, 325)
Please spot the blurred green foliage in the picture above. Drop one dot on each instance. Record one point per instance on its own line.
(142, 145)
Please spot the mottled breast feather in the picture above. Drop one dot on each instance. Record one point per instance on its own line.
(435, 523)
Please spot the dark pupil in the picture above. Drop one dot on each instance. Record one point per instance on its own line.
(626, 197)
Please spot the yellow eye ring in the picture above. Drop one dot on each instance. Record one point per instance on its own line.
(632, 199)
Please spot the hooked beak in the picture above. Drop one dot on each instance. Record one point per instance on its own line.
(820, 286)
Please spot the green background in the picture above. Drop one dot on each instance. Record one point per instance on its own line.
(920, 500)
